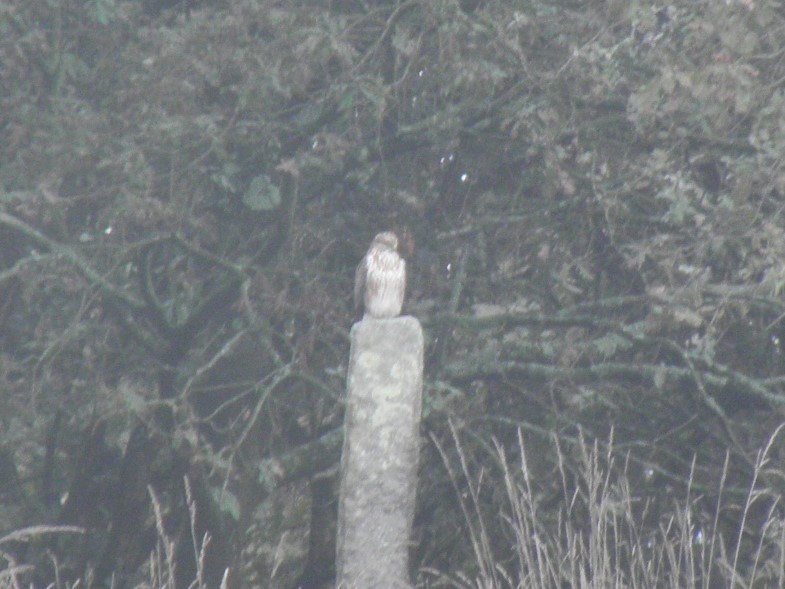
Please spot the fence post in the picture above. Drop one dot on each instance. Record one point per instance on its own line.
(380, 454)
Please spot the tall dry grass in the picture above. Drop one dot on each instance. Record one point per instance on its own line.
(597, 539)
(161, 566)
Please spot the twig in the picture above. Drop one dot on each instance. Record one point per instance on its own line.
(69, 254)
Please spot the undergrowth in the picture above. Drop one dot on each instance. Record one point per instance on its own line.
(596, 537)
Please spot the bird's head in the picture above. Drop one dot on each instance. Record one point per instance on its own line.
(386, 239)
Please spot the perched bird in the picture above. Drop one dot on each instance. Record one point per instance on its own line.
(380, 279)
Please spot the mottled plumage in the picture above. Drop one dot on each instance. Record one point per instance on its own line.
(380, 280)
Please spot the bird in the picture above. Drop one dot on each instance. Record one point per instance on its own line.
(380, 279)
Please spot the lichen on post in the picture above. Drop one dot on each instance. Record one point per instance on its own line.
(380, 454)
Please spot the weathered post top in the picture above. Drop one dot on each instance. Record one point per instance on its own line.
(380, 454)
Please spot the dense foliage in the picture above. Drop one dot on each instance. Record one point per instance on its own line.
(594, 189)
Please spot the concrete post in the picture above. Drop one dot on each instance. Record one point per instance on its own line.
(380, 454)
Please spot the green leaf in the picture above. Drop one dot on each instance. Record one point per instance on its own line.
(610, 344)
(262, 194)
(227, 502)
